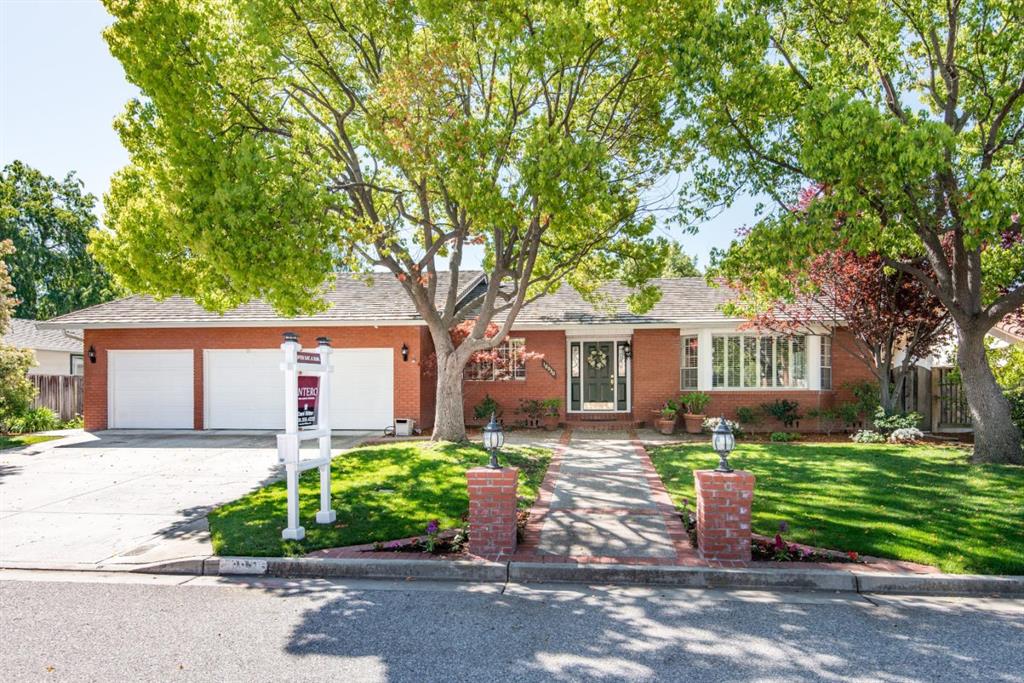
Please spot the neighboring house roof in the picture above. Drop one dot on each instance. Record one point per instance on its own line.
(26, 334)
(353, 301)
(1011, 331)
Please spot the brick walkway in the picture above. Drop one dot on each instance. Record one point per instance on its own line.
(602, 501)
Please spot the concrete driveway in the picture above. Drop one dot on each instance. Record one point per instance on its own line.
(122, 497)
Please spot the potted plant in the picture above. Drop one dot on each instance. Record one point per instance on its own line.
(666, 422)
(552, 413)
(694, 404)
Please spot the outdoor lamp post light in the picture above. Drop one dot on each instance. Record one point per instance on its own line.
(405, 352)
(627, 350)
(494, 438)
(723, 441)
(92, 354)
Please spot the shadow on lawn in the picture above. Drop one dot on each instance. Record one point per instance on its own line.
(380, 493)
(611, 633)
(911, 503)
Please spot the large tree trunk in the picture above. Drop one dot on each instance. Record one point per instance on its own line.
(996, 438)
(449, 421)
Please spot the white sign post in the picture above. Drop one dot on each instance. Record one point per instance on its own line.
(312, 396)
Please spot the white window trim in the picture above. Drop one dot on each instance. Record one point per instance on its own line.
(705, 370)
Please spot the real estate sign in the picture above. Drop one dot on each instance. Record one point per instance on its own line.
(309, 394)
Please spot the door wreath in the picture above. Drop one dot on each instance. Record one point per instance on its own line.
(597, 358)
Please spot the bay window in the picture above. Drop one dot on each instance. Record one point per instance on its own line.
(752, 361)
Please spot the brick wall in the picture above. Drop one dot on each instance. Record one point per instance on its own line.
(537, 385)
(407, 380)
(655, 370)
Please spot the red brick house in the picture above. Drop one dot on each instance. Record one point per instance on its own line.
(172, 365)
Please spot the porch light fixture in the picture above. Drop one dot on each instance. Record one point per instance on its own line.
(627, 350)
(723, 441)
(92, 354)
(494, 438)
(405, 353)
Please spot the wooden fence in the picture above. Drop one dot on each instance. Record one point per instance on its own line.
(953, 410)
(63, 394)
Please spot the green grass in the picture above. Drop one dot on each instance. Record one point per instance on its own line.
(380, 493)
(916, 503)
(23, 440)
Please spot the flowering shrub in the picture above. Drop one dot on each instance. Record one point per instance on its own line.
(867, 436)
(710, 423)
(906, 435)
(890, 423)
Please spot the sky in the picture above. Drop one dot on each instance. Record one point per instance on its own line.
(60, 90)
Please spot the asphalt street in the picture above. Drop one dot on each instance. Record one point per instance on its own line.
(58, 626)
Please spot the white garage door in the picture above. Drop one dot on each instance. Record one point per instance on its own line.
(245, 389)
(149, 389)
(363, 389)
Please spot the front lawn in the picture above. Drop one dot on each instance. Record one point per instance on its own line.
(381, 493)
(23, 440)
(917, 503)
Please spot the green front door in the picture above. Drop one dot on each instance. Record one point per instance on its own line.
(598, 376)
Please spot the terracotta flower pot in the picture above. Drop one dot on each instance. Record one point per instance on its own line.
(694, 423)
(665, 425)
(551, 422)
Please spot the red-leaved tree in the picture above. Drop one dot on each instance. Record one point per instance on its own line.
(893, 320)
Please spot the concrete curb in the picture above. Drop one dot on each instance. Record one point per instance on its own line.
(683, 577)
(952, 584)
(357, 568)
(547, 572)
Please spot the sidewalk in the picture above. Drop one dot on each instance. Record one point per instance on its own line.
(603, 502)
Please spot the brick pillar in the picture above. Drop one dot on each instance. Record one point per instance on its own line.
(492, 511)
(723, 514)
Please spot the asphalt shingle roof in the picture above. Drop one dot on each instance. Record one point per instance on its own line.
(687, 299)
(25, 334)
(354, 300)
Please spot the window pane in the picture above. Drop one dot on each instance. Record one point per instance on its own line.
(688, 363)
(517, 357)
(717, 361)
(733, 362)
(575, 360)
(766, 362)
(750, 361)
(799, 361)
(782, 362)
(826, 362)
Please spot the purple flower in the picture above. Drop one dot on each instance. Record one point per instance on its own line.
(783, 527)
(433, 526)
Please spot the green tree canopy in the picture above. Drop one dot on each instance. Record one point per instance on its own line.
(902, 123)
(16, 391)
(278, 140)
(679, 264)
(49, 221)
